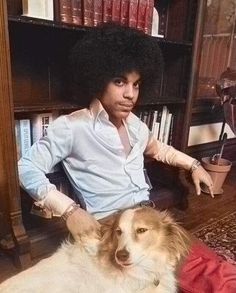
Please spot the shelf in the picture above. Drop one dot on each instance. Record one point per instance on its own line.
(162, 101)
(46, 106)
(59, 25)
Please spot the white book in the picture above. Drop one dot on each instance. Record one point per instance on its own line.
(156, 129)
(154, 120)
(167, 128)
(40, 123)
(165, 111)
(25, 136)
(38, 9)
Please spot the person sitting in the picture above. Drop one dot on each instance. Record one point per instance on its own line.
(102, 146)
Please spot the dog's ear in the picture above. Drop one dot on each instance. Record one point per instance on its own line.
(178, 239)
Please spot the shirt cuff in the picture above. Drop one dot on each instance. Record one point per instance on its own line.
(56, 202)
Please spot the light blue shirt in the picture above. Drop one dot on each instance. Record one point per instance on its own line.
(91, 152)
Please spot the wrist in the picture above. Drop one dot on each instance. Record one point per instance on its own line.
(194, 166)
(70, 210)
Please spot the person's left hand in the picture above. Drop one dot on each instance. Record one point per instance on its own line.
(200, 175)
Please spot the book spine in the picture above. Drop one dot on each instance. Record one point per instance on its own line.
(148, 17)
(49, 9)
(25, 136)
(133, 13)
(116, 11)
(18, 140)
(76, 10)
(107, 11)
(142, 7)
(65, 11)
(88, 9)
(56, 9)
(124, 12)
(97, 12)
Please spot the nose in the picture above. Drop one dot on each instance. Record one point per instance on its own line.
(129, 92)
(122, 254)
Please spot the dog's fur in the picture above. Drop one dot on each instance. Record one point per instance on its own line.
(139, 251)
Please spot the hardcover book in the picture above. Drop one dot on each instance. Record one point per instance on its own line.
(97, 17)
(133, 13)
(76, 8)
(107, 11)
(116, 11)
(124, 12)
(38, 9)
(65, 11)
(88, 6)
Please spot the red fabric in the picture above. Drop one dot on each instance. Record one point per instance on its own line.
(205, 272)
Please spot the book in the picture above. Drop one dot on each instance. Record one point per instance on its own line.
(167, 128)
(76, 11)
(148, 17)
(155, 24)
(88, 10)
(124, 12)
(115, 15)
(23, 136)
(40, 123)
(38, 8)
(97, 17)
(65, 11)
(17, 136)
(142, 6)
(133, 13)
(165, 112)
(107, 11)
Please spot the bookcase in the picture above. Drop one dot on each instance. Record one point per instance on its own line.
(33, 60)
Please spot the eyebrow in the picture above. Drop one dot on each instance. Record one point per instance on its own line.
(125, 78)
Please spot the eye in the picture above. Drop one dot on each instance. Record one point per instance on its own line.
(137, 84)
(118, 81)
(118, 231)
(141, 230)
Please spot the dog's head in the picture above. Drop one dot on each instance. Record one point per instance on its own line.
(143, 236)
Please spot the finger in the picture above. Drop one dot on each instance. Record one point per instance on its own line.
(210, 187)
(197, 187)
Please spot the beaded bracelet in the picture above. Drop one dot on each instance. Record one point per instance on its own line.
(69, 211)
(194, 166)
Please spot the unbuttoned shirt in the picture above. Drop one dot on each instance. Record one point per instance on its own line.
(89, 147)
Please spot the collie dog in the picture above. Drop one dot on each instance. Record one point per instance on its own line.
(139, 251)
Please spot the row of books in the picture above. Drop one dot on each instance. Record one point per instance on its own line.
(28, 131)
(132, 13)
(160, 122)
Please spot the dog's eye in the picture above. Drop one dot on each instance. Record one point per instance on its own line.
(118, 231)
(141, 230)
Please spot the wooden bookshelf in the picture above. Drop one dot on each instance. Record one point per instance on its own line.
(34, 81)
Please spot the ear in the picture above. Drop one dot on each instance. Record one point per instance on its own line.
(178, 239)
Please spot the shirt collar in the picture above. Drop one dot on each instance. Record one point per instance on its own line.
(96, 109)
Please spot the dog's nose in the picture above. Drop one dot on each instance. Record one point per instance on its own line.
(122, 254)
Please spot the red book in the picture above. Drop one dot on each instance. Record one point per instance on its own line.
(97, 17)
(148, 17)
(88, 12)
(107, 11)
(65, 11)
(116, 11)
(124, 12)
(76, 8)
(142, 6)
(133, 13)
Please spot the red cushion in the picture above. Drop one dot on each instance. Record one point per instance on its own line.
(205, 272)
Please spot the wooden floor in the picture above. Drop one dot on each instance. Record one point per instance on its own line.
(202, 209)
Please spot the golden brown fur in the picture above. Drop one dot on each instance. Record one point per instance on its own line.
(139, 251)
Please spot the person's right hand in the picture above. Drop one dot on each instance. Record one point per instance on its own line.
(83, 225)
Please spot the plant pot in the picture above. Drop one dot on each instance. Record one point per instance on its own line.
(218, 173)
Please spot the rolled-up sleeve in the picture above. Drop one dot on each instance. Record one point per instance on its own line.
(167, 154)
(43, 156)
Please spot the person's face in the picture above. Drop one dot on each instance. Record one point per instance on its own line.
(120, 96)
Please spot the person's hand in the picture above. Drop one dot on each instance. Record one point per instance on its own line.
(83, 225)
(200, 175)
